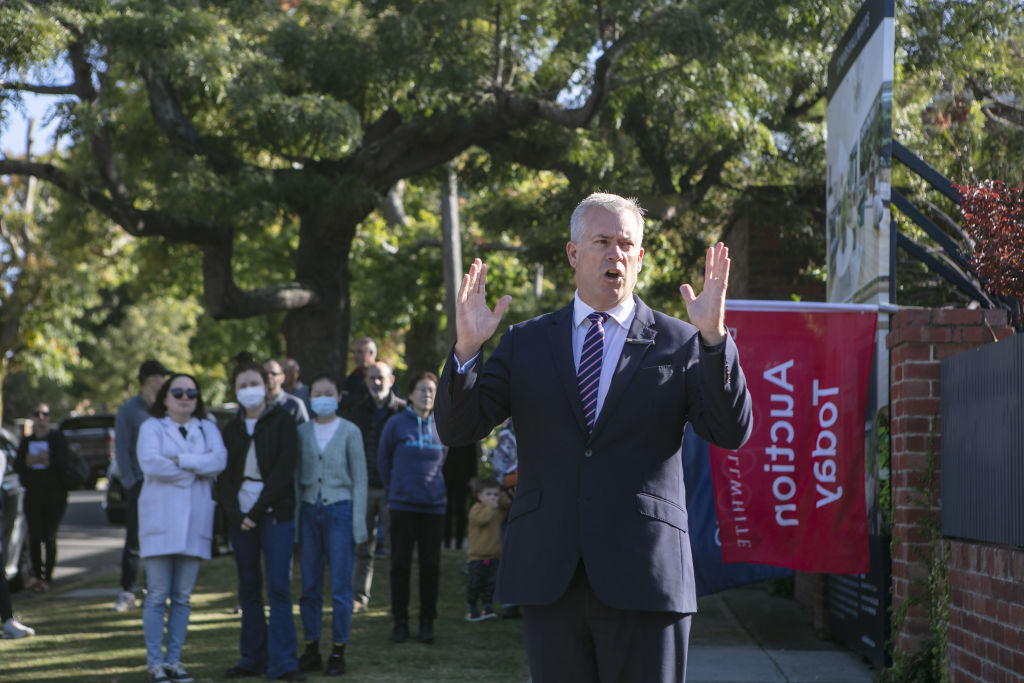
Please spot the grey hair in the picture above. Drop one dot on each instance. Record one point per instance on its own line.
(609, 202)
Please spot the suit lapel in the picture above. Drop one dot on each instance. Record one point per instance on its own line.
(560, 344)
(642, 327)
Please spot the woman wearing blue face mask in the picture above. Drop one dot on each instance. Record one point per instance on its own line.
(332, 491)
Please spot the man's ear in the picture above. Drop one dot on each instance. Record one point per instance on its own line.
(570, 251)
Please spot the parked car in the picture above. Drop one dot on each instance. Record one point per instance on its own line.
(91, 437)
(15, 527)
(114, 501)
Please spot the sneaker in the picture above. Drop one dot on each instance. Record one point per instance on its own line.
(358, 606)
(158, 675)
(472, 613)
(176, 673)
(125, 601)
(487, 614)
(15, 629)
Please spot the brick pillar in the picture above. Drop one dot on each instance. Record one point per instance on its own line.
(918, 340)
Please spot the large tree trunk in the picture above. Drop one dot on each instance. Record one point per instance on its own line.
(451, 246)
(317, 335)
(424, 348)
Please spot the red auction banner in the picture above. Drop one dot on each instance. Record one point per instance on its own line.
(793, 495)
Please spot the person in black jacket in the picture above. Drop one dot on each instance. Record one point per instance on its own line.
(257, 492)
(42, 462)
(369, 414)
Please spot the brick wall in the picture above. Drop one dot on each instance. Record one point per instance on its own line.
(918, 341)
(986, 612)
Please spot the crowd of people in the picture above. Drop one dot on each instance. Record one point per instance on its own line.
(319, 471)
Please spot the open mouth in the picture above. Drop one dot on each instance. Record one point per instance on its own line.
(613, 275)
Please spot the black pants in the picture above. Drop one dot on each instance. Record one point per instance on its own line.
(44, 510)
(130, 554)
(579, 639)
(459, 469)
(482, 575)
(422, 531)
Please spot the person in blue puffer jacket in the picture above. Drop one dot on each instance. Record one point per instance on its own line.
(410, 457)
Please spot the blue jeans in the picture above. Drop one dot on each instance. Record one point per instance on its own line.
(271, 651)
(327, 538)
(167, 576)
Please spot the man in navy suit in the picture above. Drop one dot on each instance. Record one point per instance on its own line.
(597, 552)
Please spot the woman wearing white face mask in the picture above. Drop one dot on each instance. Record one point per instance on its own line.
(332, 491)
(257, 491)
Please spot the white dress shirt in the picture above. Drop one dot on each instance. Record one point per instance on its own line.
(615, 329)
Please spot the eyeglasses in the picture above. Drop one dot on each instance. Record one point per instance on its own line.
(40, 413)
(178, 392)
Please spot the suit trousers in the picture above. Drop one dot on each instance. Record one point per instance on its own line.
(579, 639)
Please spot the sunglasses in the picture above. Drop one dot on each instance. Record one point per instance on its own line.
(178, 392)
(40, 413)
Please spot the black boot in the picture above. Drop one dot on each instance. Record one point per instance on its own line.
(426, 631)
(400, 633)
(310, 659)
(336, 662)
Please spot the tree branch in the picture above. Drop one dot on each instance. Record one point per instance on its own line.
(224, 300)
(38, 89)
(135, 222)
(178, 128)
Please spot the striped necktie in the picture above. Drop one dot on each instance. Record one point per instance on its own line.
(588, 377)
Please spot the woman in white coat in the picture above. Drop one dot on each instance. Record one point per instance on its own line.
(181, 453)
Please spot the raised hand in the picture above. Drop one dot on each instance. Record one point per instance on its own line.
(707, 311)
(474, 321)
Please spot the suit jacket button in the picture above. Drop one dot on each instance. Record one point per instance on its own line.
(587, 453)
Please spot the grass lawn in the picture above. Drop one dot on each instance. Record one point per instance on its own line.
(84, 640)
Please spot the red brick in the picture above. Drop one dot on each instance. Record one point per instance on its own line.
(922, 406)
(976, 335)
(996, 317)
(971, 664)
(947, 350)
(1016, 615)
(1004, 613)
(1006, 658)
(1002, 564)
(1018, 661)
(957, 316)
(907, 317)
(917, 388)
(985, 606)
(904, 353)
(1004, 333)
(919, 444)
(979, 583)
(929, 370)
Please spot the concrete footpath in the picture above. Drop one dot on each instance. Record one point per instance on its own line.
(747, 635)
